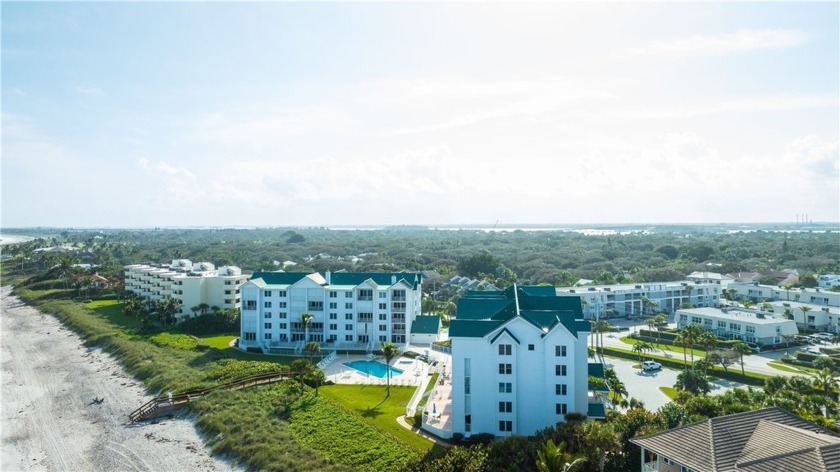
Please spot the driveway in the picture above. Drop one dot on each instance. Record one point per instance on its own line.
(644, 386)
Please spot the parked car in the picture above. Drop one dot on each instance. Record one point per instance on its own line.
(651, 365)
(826, 336)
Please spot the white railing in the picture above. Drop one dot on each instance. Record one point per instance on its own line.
(327, 360)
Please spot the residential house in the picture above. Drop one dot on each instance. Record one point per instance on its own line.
(770, 439)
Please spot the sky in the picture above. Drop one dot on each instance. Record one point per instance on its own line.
(284, 114)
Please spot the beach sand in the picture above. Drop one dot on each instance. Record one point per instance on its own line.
(49, 421)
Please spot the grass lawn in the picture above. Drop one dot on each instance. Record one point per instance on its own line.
(374, 408)
(671, 392)
(666, 346)
(112, 310)
(788, 368)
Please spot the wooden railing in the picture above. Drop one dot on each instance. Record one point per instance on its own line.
(164, 405)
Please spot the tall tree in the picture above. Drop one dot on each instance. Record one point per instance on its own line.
(602, 439)
(389, 351)
(554, 458)
(306, 321)
(741, 349)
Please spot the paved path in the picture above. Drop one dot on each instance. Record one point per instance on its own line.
(422, 433)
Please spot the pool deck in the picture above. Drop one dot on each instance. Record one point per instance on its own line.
(413, 371)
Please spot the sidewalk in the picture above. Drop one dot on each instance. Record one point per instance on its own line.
(422, 433)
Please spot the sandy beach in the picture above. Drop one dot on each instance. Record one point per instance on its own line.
(49, 421)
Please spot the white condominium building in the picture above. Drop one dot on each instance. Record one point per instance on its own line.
(759, 293)
(747, 325)
(348, 309)
(631, 300)
(193, 285)
(519, 362)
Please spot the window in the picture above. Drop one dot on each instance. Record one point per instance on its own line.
(383, 317)
(281, 305)
(383, 306)
(333, 316)
(560, 351)
(684, 318)
(348, 316)
(348, 327)
(560, 408)
(365, 295)
(267, 325)
(505, 407)
(267, 305)
(505, 369)
(506, 426)
(530, 347)
(333, 294)
(721, 324)
(333, 306)
(505, 387)
(348, 294)
(751, 329)
(227, 292)
(734, 327)
(267, 315)
(560, 389)
(560, 370)
(333, 326)
(316, 306)
(696, 319)
(348, 306)
(282, 315)
(504, 349)
(282, 325)
(267, 293)
(250, 304)
(383, 295)
(348, 337)
(383, 339)
(467, 385)
(267, 336)
(281, 293)
(250, 336)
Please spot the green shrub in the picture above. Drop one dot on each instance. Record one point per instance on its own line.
(232, 369)
(183, 342)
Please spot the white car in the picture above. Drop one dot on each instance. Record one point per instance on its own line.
(651, 365)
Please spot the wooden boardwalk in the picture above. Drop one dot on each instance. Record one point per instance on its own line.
(165, 405)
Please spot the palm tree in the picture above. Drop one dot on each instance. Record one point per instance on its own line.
(651, 323)
(741, 348)
(688, 290)
(788, 313)
(708, 340)
(194, 309)
(693, 333)
(748, 303)
(554, 458)
(312, 349)
(805, 309)
(600, 327)
(305, 321)
(660, 322)
(389, 351)
(824, 379)
(603, 439)
(203, 307)
(682, 340)
(641, 348)
(787, 289)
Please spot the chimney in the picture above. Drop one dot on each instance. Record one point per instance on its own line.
(393, 280)
(327, 276)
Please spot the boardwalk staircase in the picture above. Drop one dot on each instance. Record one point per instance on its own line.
(167, 404)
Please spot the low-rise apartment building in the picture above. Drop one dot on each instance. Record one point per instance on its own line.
(812, 318)
(759, 293)
(732, 323)
(644, 299)
(191, 284)
(348, 309)
(519, 362)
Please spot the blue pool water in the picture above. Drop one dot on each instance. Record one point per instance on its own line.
(376, 369)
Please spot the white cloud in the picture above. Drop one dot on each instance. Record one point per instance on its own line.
(740, 41)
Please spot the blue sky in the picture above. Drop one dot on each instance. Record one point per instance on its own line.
(195, 114)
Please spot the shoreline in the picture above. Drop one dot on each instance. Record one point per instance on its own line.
(49, 420)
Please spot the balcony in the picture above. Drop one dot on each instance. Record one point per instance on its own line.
(398, 298)
(366, 319)
(650, 467)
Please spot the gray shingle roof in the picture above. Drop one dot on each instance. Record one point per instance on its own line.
(770, 439)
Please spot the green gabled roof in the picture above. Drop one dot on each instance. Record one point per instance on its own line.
(472, 328)
(502, 331)
(543, 320)
(279, 278)
(426, 325)
(483, 308)
(553, 302)
(484, 294)
(381, 278)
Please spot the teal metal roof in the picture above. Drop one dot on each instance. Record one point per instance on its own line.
(472, 328)
(426, 325)
(539, 305)
(596, 410)
(596, 369)
(279, 278)
(380, 278)
(504, 330)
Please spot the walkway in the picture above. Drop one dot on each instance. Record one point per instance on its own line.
(422, 433)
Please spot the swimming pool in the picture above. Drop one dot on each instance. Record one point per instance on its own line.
(376, 369)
